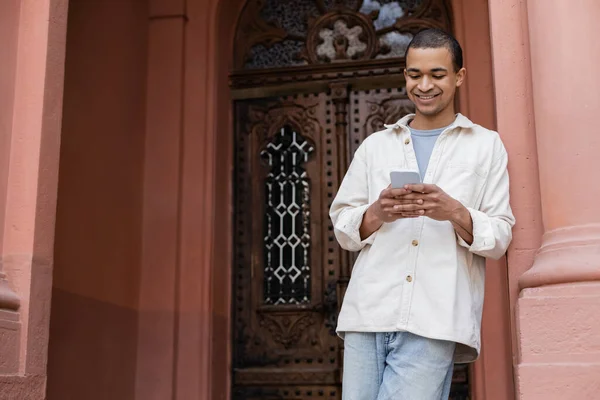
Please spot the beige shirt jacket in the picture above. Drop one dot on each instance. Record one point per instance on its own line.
(417, 274)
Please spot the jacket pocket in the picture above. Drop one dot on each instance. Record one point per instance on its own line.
(462, 181)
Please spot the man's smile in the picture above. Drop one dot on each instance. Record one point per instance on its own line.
(426, 97)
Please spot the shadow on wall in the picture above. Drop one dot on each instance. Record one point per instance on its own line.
(92, 349)
(96, 278)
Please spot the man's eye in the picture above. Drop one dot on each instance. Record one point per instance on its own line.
(439, 76)
(414, 76)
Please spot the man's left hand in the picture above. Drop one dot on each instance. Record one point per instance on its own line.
(437, 204)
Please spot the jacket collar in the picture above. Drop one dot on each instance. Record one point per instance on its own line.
(460, 121)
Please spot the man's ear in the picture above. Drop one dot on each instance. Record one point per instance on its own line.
(460, 76)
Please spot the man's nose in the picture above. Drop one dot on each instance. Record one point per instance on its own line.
(425, 84)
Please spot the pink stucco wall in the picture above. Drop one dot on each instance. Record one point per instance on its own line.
(159, 294)
(93, 330)
(9, 35)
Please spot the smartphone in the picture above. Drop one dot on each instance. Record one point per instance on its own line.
(404, 177)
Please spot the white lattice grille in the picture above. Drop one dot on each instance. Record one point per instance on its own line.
(287, 219)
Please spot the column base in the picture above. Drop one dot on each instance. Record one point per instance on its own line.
(10, 341)
(8, 299)
(29, 387)
(570, 254)
(559, 382)
(10, 328)
(559, 342)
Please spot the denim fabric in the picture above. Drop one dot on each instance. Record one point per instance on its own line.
(396, 366)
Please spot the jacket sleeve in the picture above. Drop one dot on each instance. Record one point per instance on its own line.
(350, 204)
(493, 221)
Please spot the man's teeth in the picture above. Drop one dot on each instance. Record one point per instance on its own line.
(426, 97)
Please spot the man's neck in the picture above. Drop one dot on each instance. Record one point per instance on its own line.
(424, 122)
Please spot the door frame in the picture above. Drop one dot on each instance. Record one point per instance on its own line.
(492, 374)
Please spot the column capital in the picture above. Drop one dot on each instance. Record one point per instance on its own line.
(569, 254)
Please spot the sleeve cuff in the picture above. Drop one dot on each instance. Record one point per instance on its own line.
(348, 229)
(483, 233)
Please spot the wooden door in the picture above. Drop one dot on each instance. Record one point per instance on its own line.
(289, 274)
(286, 270)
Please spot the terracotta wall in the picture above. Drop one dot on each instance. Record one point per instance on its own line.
(93, 332)
(160, 298)
(9, 33)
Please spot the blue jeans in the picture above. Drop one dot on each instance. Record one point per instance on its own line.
(396, 366)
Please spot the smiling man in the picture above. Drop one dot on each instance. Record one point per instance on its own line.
(414, 302)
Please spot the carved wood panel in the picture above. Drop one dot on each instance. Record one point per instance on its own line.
(286, 176)
(371, 109)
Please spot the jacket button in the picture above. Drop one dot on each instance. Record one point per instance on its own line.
(409, 278)
(407, 141)
(415, 242)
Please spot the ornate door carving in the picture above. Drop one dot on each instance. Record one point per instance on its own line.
(286, 271)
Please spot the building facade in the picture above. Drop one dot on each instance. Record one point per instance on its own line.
(143, 143)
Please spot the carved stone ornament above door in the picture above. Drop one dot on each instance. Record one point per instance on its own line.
(341, 36)
(287, 33)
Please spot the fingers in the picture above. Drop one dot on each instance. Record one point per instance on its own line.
(410, 208)
(422, 188)
(412, 215)
(399, 192)
(394, 205)
(392, 193)
(396, 216)
(413, 196)
(406, 201)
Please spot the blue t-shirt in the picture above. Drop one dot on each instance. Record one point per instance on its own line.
(423, 142)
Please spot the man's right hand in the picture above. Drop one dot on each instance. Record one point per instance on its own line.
(389, 207)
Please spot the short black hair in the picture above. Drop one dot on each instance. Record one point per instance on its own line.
(435, 38)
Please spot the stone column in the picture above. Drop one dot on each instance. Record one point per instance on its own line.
(9, 301)
(559, 305)
(29, 197)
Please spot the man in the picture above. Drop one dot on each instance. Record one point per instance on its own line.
(414, 302)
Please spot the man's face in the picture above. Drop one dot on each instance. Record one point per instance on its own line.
(431, 81)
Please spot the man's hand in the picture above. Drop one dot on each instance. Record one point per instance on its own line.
(436, 203)
(394, 204)
(440, 206)
(385, 209)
